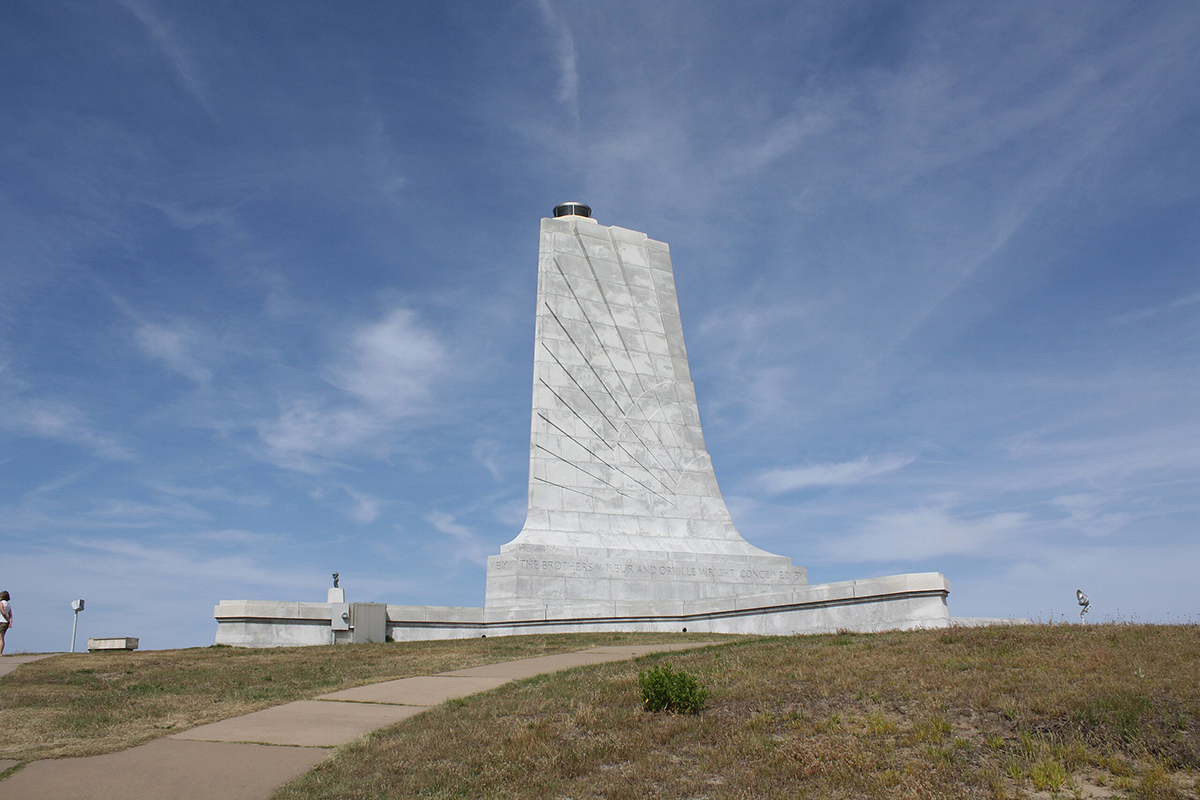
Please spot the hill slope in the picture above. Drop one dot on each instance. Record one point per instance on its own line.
(1098, 710)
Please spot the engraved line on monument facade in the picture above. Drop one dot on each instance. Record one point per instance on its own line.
(600, 458)
(574, 489)
(633, 364)
(647, 418)
(626, 421)
(578, 386)
(616, 371)
(584, 471)
(655, 309)
(599, 436)
(586, 361)
(595, 333)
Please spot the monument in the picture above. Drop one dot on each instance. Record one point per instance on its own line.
(626, 527)
(625, 515)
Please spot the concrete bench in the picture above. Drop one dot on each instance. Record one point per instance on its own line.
(113, 643)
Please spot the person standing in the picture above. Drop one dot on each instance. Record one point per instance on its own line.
(5, 618)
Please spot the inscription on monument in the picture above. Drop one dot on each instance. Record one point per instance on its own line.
(628, 568)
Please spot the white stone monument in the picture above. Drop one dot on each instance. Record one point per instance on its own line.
(625, 515)
(626, 527)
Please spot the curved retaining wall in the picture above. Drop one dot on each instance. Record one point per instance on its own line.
(890, 603)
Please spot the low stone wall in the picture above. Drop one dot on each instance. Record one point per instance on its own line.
(890, 603)
(265, 623)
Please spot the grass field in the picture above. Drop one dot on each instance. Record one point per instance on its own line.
(87, 704)
(1037, 711)
(1030, 711)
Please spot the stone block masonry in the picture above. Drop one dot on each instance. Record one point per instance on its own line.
(625, 515)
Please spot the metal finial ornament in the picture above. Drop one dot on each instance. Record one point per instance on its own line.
(335, 580)
(1085, 604)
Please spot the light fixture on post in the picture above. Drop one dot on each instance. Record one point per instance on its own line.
(1085, 604)
(76, 606)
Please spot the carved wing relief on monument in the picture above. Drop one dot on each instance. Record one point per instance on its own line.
(615, 417)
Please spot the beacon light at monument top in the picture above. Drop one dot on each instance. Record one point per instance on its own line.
(626, 528)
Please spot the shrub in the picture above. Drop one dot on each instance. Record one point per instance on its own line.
(664, 689)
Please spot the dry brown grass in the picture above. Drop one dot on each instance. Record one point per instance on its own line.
(1038, 711)
(87, 704)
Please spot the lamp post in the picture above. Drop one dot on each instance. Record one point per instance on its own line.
(76, 606)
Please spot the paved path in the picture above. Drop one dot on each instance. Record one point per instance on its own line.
(248, 757)
(9, 663)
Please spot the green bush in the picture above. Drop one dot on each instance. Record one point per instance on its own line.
(664, 689)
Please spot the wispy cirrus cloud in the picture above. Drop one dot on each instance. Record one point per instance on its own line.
(467, 545)
(308, 433)
(487, 452)
(778, 481)
(366, 508)
(1143, 314)
(1089, 513)
(568, 63)
(175, 347)
(218, 494)
(163, 35)
(923, 533)
(180, 345)
(386, 371)
(60, 421)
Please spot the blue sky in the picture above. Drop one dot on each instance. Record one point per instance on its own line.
(267, 277)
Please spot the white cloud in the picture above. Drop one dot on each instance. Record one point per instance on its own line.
(62, 422)
(568, 80)
(132, 513)
(175, 347)
(777, 481)
(512, 513)
(235, 536)
(391, 364)
(1142, 581)
(387, 371)
(1120, 449)
(467, 546)
(924, 533)
(164, 38)
(1152, 312)
(307, 431)
(366, 508)
(1087, 514)
(181, 346)
(214, 493)
(487, 453)
(782, 136)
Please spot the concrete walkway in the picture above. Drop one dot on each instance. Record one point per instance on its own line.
(248, 757)
(9, 663)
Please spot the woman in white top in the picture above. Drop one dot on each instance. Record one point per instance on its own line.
(5, 618)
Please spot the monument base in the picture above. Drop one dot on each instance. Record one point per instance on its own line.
(895, 602)
(572, 582)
